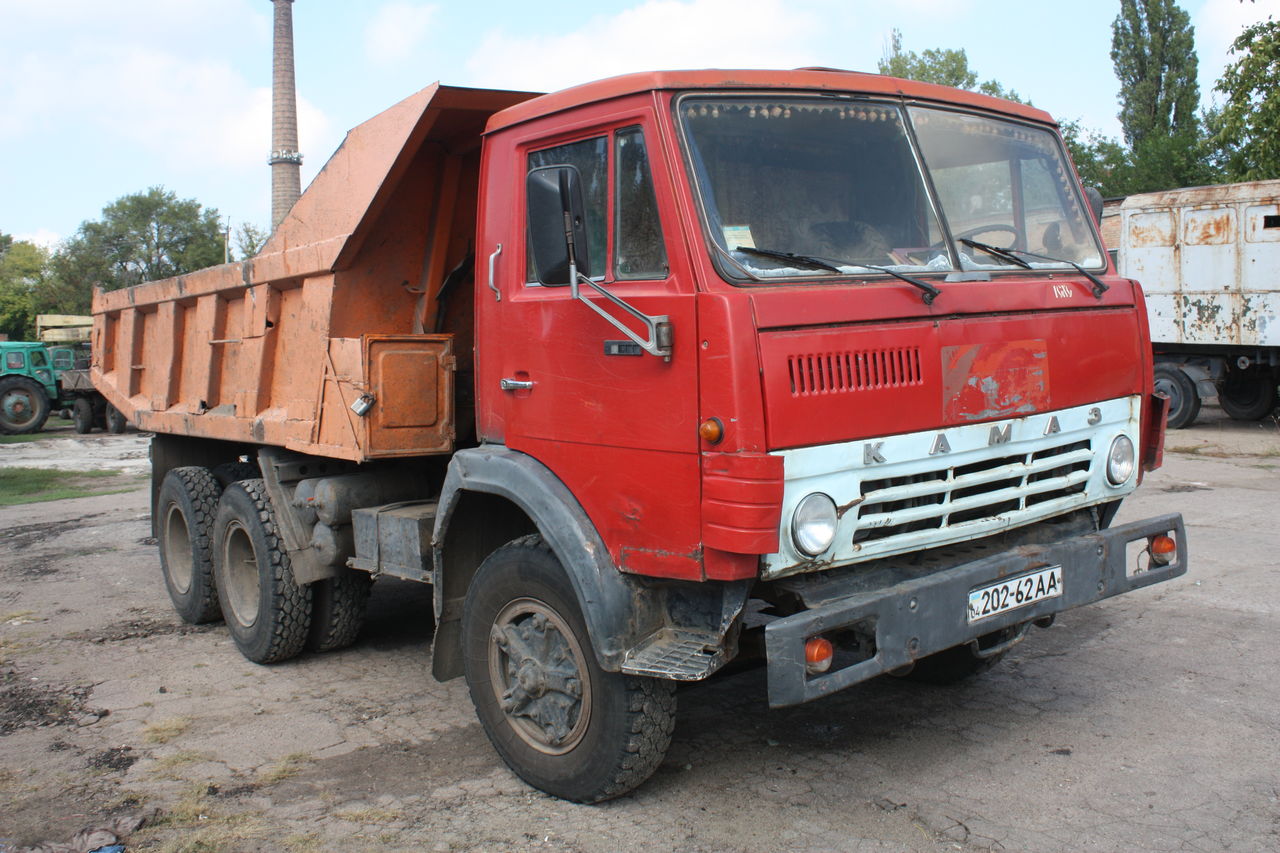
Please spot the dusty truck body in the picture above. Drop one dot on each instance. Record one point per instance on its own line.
(652, 374)
(1209, 260)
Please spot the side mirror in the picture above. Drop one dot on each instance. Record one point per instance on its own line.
(557, 222)
(1094, 197)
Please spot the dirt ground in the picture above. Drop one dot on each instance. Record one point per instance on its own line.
(1148, 722)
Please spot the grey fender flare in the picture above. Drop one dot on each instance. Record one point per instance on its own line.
(611, 603)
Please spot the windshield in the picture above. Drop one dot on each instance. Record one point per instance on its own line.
(813, 186)
(1005, 185)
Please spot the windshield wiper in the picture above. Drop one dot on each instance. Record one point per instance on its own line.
(1011, 255)
(815, 263)
(1002, 254)
(1099, 286)
(930, 292)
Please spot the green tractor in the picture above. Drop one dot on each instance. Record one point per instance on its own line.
(38, 379)
(28, 388)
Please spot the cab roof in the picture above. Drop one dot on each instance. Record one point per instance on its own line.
(714, 79)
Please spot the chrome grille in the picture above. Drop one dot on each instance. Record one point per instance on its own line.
(980, 491)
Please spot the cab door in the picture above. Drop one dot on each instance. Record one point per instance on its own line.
(616, 424)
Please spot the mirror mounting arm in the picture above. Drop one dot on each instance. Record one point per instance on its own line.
(657, 326)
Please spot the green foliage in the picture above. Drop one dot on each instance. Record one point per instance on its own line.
(944, 66)
(22, 270)
(249, 239)
(1100, 161)
(1244, 130)
(140, 237)
(1153, 48)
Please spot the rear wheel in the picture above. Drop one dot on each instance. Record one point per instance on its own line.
(24, 406)
(1248, 395)
(185, 513)
(115, 420)
(1184, 402)
(338, 607)
(267, 612)
(82, 415)
(558, 720)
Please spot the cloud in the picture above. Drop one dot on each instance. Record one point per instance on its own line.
(42, 237)
(655, 35)
(396, 30)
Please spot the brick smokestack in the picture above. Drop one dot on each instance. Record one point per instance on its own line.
(285, 160)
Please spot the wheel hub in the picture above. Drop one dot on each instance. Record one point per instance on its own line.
(536, 668)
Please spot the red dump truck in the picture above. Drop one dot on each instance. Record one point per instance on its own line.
(821, 369)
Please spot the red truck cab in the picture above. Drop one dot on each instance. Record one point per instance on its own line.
(893, 330)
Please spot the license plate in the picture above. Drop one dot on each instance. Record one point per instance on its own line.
(1016, 592)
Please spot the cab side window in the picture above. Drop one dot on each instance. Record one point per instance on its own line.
(591, 157)
(14, 361)
(638, 250)
(638, 241)
(38, 359)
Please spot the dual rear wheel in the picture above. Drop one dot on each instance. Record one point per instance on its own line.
(222, 556)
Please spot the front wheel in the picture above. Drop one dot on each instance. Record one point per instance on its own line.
(559, 721)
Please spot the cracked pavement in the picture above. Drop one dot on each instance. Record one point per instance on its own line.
(1146, 722)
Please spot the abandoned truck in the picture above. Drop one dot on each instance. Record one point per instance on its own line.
(823, 369)
(1209, 258)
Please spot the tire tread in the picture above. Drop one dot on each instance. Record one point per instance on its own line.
(287, 607)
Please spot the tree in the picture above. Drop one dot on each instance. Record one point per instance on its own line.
(944, 66)
(22, 269)
(140, 237)
(1100, 161)
(1153, 49)
(1244, 130)
(249, 239)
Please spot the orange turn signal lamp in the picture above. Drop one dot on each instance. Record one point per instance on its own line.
(1163, 550)
(818, 653)
(711, 430)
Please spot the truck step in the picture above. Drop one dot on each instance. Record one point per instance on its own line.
(678, 655)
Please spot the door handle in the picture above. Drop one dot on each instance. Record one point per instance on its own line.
(515, 385)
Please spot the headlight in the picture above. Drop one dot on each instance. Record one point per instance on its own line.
(813, 525)
(1120, 461)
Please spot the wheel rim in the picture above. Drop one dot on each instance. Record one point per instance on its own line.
(240, 574)
(536, 669)
(177, 549)
(1170, 388)
(18, 408)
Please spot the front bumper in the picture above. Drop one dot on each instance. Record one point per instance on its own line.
(915, 611)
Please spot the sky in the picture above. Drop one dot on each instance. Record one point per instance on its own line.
(102, 99)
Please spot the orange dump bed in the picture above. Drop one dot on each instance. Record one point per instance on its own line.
(340, 338)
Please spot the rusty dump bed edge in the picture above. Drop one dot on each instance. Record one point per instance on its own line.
(279, 349)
